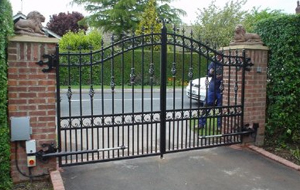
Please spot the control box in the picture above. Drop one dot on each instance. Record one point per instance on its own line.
(30, 147)
(20, 128)
(31, 161)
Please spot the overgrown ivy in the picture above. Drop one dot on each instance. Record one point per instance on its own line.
(6, 29)
(282, 36)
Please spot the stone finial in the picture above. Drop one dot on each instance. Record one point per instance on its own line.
(242, 37)
(32, 25)
(298, 8)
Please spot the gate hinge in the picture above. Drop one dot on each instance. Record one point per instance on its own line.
(248, 64)
(52, 62)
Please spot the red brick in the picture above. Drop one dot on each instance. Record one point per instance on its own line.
(18, 114)
(12, 57)
(27, 83)
(12, 108)
(37, 89)
(28, 52)
(47, 118)
(12, 70)
(12, 95)
(17, 89)
(27, 107)
(35, 54)
(48, 82)
(17, 101)
(13, 76)
(37, 101)
(28, 95)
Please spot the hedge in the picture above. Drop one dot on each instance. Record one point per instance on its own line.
(282, 36)
(6, 28)
(122, 66)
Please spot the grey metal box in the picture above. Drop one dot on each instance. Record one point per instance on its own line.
(20, 128)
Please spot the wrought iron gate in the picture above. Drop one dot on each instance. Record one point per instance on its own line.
(122, 102)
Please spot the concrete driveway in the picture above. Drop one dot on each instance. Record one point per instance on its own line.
(224, 168)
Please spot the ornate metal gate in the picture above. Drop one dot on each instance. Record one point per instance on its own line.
(129, 99)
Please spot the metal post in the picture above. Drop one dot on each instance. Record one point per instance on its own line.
(58, 102)
(243, 87)
(163, 93)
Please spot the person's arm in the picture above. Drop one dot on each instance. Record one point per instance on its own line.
(211, 69)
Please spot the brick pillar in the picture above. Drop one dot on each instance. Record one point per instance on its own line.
(255, 87)
(31, 93)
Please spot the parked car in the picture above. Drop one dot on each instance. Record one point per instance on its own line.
(196, 89)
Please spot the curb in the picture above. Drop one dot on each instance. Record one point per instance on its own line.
(274, 157)
(56, 180)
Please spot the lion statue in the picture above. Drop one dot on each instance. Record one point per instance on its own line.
(241, 36)
(32, 25)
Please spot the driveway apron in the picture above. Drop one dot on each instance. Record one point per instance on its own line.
(223, 168)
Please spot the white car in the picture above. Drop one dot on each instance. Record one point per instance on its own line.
(198, 86)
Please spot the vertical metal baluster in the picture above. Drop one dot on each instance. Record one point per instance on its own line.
(151, 73)
(204, 111)
(182, 86)
(58, 99)
(163, 66)
(112, 85)
(236, 88)
(229, 91)
(143, 106)
(102, 99)
(199, 76)
(91, 94)
(212, 125)
(123, 97)
(132, 78)
(174, 86)
(190, 75)
(222, 92)
(69, 96)
(80, 102)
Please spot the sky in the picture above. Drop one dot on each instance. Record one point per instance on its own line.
(50, 7)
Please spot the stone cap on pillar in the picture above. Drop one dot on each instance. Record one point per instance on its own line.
(246, 46)
(37, 39)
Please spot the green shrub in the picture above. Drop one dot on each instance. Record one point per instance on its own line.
(73, 41)
(6, 25)
(282, 36)
(120, 66)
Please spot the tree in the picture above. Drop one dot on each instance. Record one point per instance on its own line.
(256, 15)
(148, 21)
(216, 25)
(63, 23)
(123, 16)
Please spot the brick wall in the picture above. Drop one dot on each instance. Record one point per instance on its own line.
(31, 93)
(255, 87)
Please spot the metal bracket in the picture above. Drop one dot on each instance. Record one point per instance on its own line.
(46, 149)
(50, 63)
(248, 64)
(251, 130)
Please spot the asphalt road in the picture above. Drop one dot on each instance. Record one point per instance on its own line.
(114, 103)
